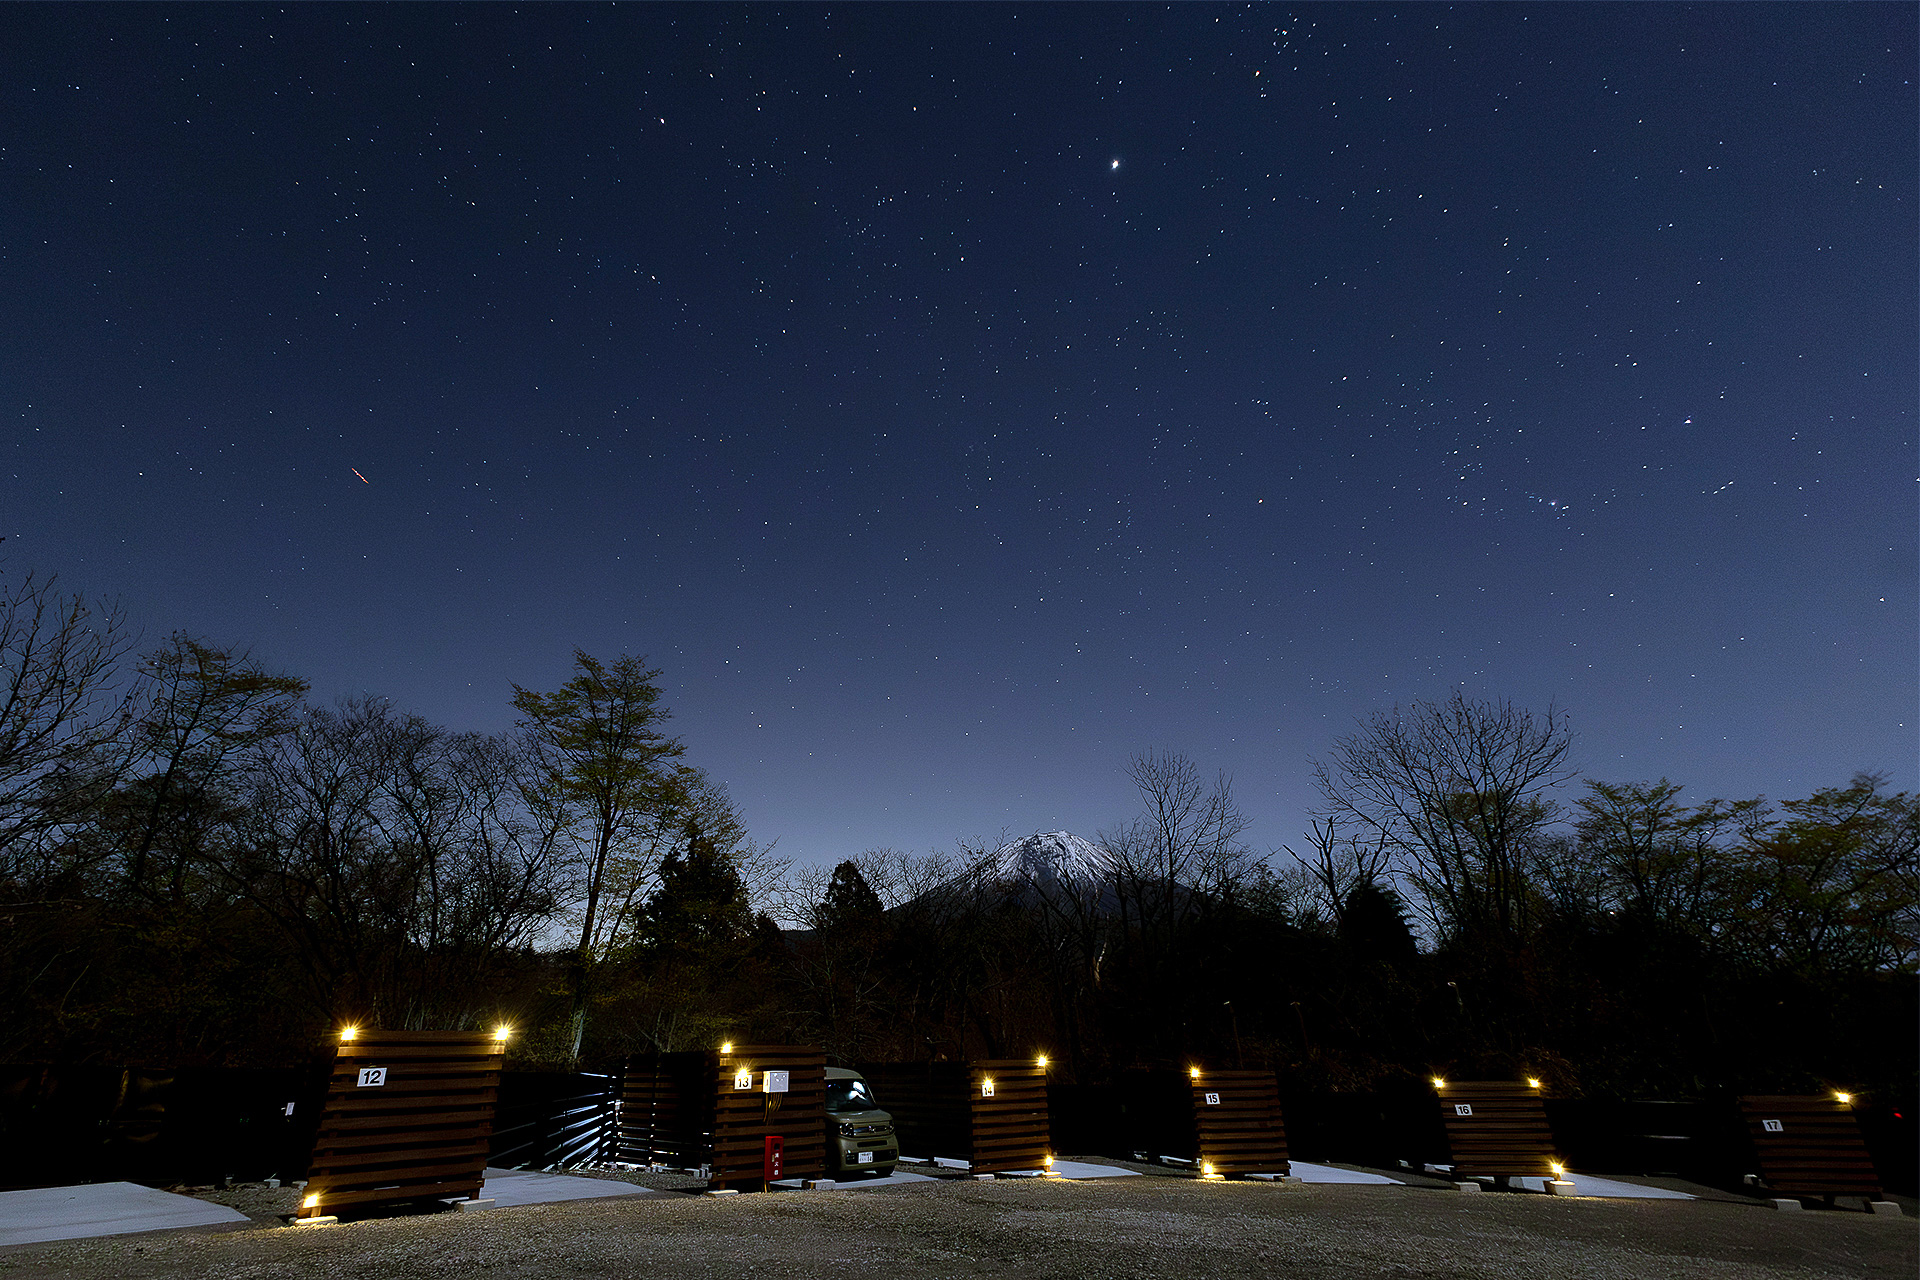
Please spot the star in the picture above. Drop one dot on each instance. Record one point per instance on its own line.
(1115, 164)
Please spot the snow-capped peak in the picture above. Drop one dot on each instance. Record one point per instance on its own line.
(1048, 857)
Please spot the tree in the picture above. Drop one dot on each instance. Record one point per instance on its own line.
(1665, 866)
(206, 709)
(1832, 889)
(1456, 790)
(603, 771)
(62, 714)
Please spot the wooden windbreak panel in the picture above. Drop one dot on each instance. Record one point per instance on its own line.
(1503, 1132)
(744, 1118)
(1237, 1120)
(1809, 1146)
(942, 1109)
(419, 1134)
(928, 1103)
(666, 1114)
(1011, 1128)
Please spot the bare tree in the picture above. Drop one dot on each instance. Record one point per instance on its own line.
(1184, 852)
(203, 711)
(1456, 791)
(63, 715)
(1343, 862)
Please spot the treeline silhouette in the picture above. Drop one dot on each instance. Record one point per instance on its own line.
(199, 866)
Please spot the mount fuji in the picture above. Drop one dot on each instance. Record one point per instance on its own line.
(1045, 859)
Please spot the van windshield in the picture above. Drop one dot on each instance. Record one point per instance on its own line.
(849, 1095)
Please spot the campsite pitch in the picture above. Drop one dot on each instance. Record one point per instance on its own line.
(1098, 1228)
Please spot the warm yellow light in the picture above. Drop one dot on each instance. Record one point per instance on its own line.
(502, 1031)
(1042, 1060)
(1532, 1083)
(1049, 1160)
(1557, 1168)
(1438, 1083)
(1206, 1168)
(311, 1202)
(727, 1047)
(1194, 1072)
(348, 1033)
(1844, 1097)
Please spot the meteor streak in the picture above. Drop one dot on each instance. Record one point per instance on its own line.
(356, 471)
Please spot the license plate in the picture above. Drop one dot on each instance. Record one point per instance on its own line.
(865, 1157)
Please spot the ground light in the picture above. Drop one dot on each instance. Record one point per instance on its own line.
(1559, 1170)
(1207, 1172)
(311, 1202)
(348, 1033)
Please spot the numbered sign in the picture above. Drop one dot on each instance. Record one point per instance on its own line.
(370, 1078)
(776, 1082)
(986, 1088)
(743, 1079)
(1462, 1109)
(1773, 1126)
(1213, 1099)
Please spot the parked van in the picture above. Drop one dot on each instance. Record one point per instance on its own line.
(860, 1136)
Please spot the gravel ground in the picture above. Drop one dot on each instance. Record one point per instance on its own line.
(1109, 1227)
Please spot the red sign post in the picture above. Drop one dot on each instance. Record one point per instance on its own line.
(773, 1161)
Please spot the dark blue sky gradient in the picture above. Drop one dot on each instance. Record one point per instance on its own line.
(954, 401)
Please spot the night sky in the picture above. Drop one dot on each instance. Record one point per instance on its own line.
(955, 401)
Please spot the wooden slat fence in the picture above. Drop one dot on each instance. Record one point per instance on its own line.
(407, 1117)
(1497, 1128)
(745, 1117)
(666, 1112)
(927, 1101)
(991, 1113)
(1809, 1146)
(1226, 1122)
(707, 1108)
(1008, 1101)
(1238, 1122)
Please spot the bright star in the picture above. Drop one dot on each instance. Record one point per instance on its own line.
(1114, 165)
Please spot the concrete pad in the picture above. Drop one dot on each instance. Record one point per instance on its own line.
(1585, 1184)
(506, 1187)
(1327, 1173)
(1883, 1206)
(1078, 1169)
(101, 1209)
(898, 1178)
(1790, 1206)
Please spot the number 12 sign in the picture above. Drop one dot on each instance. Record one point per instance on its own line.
(372, 1077)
